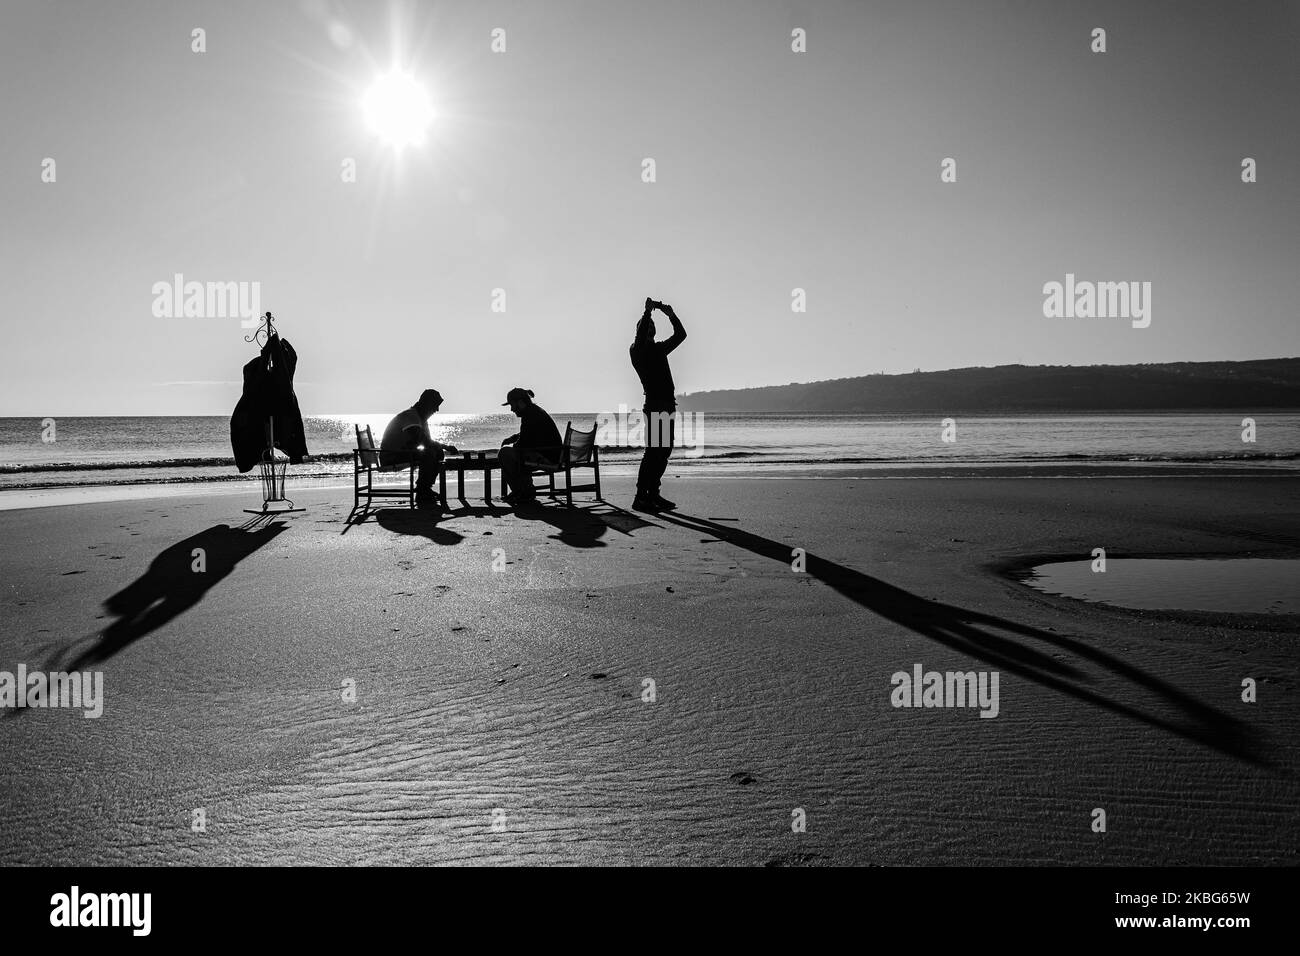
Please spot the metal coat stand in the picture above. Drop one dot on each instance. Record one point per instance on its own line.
(273, 469)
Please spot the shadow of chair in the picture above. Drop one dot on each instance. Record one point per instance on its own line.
(577, 527)
(423, 523)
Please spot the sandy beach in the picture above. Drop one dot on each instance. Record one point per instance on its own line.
(504, 716)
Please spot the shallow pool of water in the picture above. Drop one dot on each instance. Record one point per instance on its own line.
(1242, 585)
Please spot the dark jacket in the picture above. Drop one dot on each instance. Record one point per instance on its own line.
(268, 395)
(650, 359)
(537, 433)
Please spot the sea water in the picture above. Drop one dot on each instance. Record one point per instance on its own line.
(132, 450)
(1241, 585)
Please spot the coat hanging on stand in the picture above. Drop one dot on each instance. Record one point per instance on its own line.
(267, 412)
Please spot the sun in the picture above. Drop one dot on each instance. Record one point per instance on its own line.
(398, 110)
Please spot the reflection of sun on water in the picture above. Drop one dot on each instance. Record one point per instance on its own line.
(444, 427)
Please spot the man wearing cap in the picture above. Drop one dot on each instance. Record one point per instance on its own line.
(537, 443)
(407, 437)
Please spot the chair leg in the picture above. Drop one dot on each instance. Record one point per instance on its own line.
(596, 470)
(568, 486)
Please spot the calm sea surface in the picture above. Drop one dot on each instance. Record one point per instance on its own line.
(97, 451)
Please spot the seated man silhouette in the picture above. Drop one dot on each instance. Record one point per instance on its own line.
(536, 444)
(407, 439)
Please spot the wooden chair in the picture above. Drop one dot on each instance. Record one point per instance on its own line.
(579, 451)
(365, 461)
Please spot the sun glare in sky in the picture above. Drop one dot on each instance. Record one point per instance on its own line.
(398, 110)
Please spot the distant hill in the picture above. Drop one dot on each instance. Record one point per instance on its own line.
(1259, 385)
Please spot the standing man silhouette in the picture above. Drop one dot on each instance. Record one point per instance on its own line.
(650, 359)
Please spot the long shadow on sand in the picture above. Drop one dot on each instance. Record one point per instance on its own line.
(576, 527)
(972, 632)
(405, 520)
(583, 527)
(424, 523)
(172, 585)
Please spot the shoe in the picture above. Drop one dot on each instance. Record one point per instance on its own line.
(526, 501)
(513, 496)
(429, 500)
(648, 505)
(664, 504)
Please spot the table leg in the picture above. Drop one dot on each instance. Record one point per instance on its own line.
(460, 484)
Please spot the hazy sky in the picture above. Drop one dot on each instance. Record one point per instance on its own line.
(775, 170)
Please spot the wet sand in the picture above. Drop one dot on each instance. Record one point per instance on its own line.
(500, 715)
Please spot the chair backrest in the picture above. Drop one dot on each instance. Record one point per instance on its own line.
(578, 446)
(366, 445)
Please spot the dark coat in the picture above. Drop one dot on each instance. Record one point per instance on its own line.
(537, 432)
(268, 394)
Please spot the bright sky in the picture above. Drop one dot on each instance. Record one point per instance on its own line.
(775, 170)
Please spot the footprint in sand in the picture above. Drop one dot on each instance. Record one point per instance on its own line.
(66, 573)
(742, 778)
